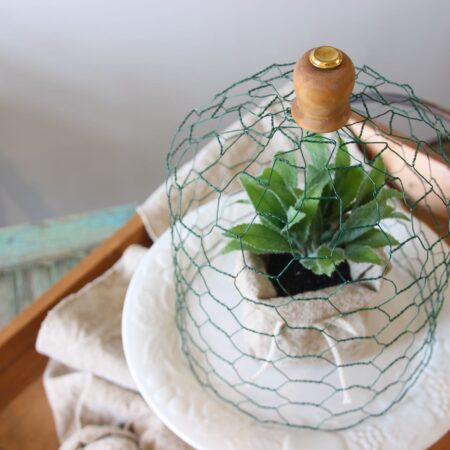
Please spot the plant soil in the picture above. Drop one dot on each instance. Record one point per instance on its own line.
(291, 278)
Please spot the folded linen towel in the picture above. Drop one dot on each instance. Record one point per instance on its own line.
(88, 385)
(93, 413)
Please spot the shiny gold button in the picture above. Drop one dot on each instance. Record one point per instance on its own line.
(325, 57)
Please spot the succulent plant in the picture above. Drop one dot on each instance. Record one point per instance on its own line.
(334, 217)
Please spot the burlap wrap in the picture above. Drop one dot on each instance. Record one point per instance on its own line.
(324, 322)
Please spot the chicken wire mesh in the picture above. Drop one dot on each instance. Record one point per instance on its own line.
(327, 358)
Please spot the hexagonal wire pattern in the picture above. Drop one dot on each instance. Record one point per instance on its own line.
(239, 131)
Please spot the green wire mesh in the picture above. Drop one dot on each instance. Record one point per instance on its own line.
(239, 131)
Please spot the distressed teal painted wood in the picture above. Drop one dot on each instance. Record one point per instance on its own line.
(8, 306)
(53, 238)
(33, 257)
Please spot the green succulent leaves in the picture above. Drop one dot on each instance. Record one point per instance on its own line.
(257, 239)
(324, 260)
(335, 217)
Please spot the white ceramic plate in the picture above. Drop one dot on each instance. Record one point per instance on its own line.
(164, 378)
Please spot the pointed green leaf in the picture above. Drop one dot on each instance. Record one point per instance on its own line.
(362, 254)
(267, 223)
(316, 180)
(347, 180)
(347, 184)
(361, 220)
(316, 229)
(327, 202)
(275, 183)
(233, 245)
(388, 193)
(325, 260)
(372, 181)
(294, 216)
(317, 148)
(378, 173)
(258, 238)
(297, 192)
(375, 238)
(391, 213)
(285, 165)
(342, 155)
(266, 202)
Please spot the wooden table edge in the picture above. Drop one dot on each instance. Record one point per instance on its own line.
(17, 339)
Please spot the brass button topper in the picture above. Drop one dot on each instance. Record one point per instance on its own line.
(325, 57)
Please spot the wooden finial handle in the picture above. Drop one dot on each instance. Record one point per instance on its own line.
(323, 82)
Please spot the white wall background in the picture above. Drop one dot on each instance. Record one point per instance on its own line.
(91, 91)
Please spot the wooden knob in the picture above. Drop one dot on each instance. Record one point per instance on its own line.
(323, 82)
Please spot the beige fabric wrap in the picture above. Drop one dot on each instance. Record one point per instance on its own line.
(276, 325)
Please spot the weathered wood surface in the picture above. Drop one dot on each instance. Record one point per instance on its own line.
(21, 395)
(33, 257)
(27, 423)
(19, 362)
